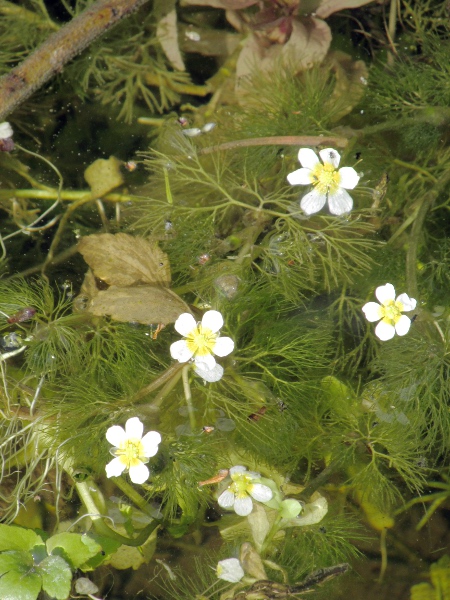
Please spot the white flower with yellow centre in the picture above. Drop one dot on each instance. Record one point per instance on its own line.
(245, 486)
(329, 183)
(202, 340)
(389, 312)
(230, 570)
(131, 450)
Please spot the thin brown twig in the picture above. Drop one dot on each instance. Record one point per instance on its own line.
(50, 58)
(280, 140)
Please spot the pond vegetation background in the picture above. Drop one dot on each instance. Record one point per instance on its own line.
(224, 299)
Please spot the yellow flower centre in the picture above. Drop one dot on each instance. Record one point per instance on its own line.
(391, 311)
(201, 341)
(325, 178)
(242, 484)
(130, 452)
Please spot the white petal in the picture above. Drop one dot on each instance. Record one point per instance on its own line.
(349, 178)
(185, 324)
(114, 468)
(340, 202)
(237, 469)
(313, 202)
(261, 492)
(209, 375)
(180, 351)
(384, 331)
(213, 320)
(6, 130)
(226, 499)
(206, 362)
(300, 177)
(384, 293)
(372, 311)
(139, 473)
(254, 474)
(150, 442)
(329, 155)
(230, 570)
(307, 158)
(134, 428)
(408, 303)
(402, 326)
(115, 435)
(223, 346)
(243, 506)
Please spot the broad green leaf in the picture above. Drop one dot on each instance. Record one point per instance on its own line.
(18, 577)
(73, 547)
(107, 547)
(56, 577)
(290, 508)
(18, 538)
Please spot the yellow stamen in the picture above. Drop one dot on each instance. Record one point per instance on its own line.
(130, 452)
(201, 341)
(391, 311)
(325, 178)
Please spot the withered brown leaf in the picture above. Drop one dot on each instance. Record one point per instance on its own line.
(123, 259)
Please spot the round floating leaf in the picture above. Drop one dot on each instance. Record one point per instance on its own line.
(56, 577)
(18, 538)
(73, 547)
(18, 579)
(103, 175)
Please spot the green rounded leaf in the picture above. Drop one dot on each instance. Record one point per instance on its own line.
(18, 538)
(56, 577)
(290, 508)
(76, 549)
(19, 579)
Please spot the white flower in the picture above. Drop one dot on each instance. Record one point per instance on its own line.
(329, 183)
(6, 130)
(230, 570)
(390, 312)
(202, 340)
(240, 493)
(209, 375)
(131, 450)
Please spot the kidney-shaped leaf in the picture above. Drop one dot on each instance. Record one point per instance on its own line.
(18, 579)
(56, 577)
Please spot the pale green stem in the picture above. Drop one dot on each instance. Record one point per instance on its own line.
(188, 396)
(100, 526)
(131, 493)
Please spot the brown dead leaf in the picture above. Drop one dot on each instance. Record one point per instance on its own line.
(103, 175)
(146, 304)
(167, 34)
(328, 7)
(125, 260)
(351, 81)
(308, 45)
(226, 4)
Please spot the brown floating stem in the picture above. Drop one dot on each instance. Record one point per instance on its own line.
(50, 58)
(280, 140)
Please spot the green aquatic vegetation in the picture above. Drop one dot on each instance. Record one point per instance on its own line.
(310, 421)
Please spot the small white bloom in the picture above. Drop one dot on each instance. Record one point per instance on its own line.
(389, 312)
(131, 450)
(230, 570)
(240, 493)
(202, 340)
(6, 130)
(329, 184)
(209, 375)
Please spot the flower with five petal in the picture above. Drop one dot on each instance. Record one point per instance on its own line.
(230, 570)
(202, 340)
(329, 183)
(389, 312)
(131, 450)
(245, 486)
